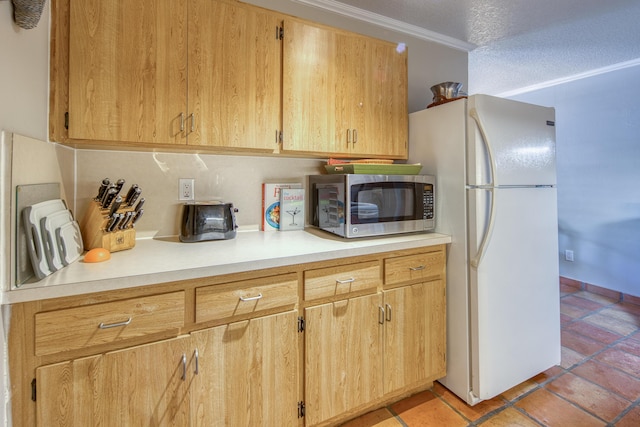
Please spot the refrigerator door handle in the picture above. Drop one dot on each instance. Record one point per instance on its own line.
(475, 261)
(492, 164)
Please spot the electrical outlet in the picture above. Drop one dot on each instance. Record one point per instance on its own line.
(186, 188)
(568, 255)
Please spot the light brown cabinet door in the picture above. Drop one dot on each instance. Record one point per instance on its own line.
(343, 357)
(344, 94)
(309, 89)
(144, 385)
(247, 373)
(234, 75)
(128, 70)
(387, 117)
(415, 335)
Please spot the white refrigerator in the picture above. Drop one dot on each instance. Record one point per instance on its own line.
(494, 161)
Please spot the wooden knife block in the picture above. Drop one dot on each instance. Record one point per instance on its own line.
(93, 230)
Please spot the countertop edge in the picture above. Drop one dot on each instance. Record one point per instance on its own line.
(248, 252)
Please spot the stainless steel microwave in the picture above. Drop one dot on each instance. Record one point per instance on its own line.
(354, 205)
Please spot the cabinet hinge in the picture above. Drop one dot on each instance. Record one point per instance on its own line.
(33, 390)
(301, 324)
(301, 409)
(66, 120)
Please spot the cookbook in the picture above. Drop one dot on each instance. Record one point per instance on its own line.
(271, 204)
(291, 209)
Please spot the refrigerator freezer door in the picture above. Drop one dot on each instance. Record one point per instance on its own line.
(514, 291)
(520, 136)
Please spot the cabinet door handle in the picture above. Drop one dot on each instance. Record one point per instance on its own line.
(345, 281)
(181, 122)
(418, 268)
(348, 136)
(192, 117)
(388, 310)
(355, 136)
(114, 325)
(381, 315)
(184, 367)
(257, 297)
(197, 357)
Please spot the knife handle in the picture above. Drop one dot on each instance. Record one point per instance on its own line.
(125, 220)
(111, 194)
(103, 187)
(112, 222)
(139, 205)
(138, 215)
(119, 184)
(115, 205)
(134, 196)
(130, 193)
(106, 193)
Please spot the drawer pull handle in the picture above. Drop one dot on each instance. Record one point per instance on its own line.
(114, 325)
(257, 297)
(418, 268)
(184, 367)
(345, 281)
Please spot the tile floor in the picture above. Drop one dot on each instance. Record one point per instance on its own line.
(596, 384)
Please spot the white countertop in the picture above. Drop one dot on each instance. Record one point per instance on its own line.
(154, 261)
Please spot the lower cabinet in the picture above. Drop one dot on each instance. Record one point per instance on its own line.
(415, 335)
(242, 373)
(343, 357)
(360, 349)
(247, 373)
(313, 345)
(143, 385)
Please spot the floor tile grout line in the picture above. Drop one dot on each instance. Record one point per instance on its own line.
(592, 357)
(624, 413)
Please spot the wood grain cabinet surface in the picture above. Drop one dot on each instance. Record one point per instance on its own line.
(224, 76)
(194, 72)
(344, 94)
(308, 344)
(371, 349)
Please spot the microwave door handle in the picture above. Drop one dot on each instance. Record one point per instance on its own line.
(475, 261)
(492, 164)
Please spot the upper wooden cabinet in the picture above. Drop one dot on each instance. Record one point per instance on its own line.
(224, 75)
(127, 70)
(344, 94)
(234, 75)
(139, 73)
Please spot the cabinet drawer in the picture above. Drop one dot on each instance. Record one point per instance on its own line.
(80, 327)
(408, 268)
(333, 281)
(235, 299)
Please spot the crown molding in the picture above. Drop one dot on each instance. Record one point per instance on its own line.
(388, 23)
(572, 78)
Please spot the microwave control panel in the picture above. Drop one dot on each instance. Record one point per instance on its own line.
(427, 201)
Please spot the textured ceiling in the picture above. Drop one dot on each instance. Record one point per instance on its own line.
(515, 44)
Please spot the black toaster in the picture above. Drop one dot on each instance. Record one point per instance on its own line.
(207, 221)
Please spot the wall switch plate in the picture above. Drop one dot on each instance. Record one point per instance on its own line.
(186, 189)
